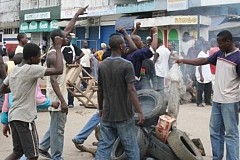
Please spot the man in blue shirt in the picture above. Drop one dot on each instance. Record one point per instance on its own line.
(141, 53)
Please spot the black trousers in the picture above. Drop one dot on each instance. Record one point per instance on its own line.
(205, 88)
(88, 69)
(70, 98)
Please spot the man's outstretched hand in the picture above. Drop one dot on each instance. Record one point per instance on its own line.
(81, 11)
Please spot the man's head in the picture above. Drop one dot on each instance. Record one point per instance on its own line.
(31, 52)
(205, 46)
(22, 38)
(186, 37)
(225, 41)
(237, 44)
(138, 41)
(85, 44)
(69, 39)
(103, 45)
(11, 55)
(18, 58)
(117, 44)
(213, 42)
(60, 33)
(148, 40)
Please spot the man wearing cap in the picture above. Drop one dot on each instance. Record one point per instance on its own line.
(98, 55)
(71, 55)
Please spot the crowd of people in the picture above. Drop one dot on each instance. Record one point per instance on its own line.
(140, 65)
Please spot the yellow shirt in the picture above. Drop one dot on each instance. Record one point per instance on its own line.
(10, 66)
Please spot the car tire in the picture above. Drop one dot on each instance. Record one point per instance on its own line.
(182, 146)
(152, 104)
(159, 150)
(118, 153)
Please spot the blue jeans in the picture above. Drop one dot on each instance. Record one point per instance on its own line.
(145, 83)
(126, 131)
(54, 137)
(160, 84)
(88, 128)
(224, 125)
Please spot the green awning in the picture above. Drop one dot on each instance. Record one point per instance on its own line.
(43, 26)
(24, 27)
(53, 25)
(33, 26)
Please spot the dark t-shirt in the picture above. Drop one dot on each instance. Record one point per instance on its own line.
(137, 57)
(113, 76)
(68, 53)
(106, 54)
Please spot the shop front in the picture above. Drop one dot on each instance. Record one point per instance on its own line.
(39, 30)
(171, 28)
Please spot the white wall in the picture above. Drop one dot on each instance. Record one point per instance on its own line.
(9, 10)
(218, 2)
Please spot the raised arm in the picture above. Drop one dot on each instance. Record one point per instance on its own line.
(71, 24)
(55, 59)
(132, 46)
(138, 26)
(154, 43)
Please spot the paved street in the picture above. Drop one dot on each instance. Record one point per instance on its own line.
(191, 119)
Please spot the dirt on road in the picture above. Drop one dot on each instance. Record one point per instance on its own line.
(191, 119)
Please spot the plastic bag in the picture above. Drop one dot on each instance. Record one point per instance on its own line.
(176, 88)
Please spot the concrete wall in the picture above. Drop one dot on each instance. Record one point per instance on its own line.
(9, 12)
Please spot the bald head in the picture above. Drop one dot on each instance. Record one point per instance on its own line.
(115, 42)
(137, 40)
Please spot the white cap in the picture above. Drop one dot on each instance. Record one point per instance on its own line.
(103, 45)
(148, 38)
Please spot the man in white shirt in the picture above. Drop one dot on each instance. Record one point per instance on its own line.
(22, 40)
(160, 60)
(204, 78)
(86, 61)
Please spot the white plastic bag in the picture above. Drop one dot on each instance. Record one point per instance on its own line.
(176, 88)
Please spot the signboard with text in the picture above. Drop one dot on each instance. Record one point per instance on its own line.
(175, 5)
(35, 16)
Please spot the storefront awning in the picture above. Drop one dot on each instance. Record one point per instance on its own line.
(42, 26)
(174, 20)
(227, 25)
(126, 22)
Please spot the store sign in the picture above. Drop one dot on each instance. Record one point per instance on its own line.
(43, 26)
(24, 27)
(103, 10)
(92, 11)
(40, 15)
(54, 25)
(186, 20)
(33, 26)
(175, 5)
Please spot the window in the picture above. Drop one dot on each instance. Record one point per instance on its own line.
(16, 30)
(7, 31)
(48, 3)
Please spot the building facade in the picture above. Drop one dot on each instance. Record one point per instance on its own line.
(173, 17)
(9, 23)
(38, 18)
